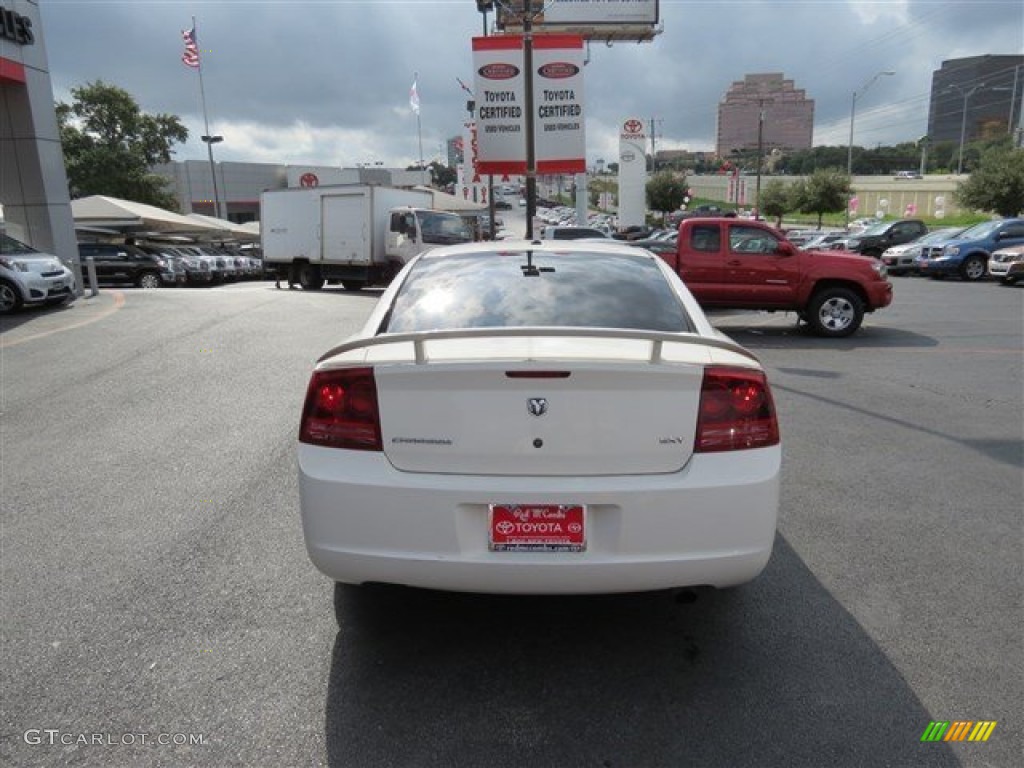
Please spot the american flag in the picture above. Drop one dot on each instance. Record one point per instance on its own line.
(414, 95)
(191, 55)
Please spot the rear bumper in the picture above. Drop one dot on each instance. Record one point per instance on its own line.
(713, 523)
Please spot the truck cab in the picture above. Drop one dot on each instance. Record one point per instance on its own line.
(738, 264)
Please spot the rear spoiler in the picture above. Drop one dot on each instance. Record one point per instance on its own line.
(657, 339)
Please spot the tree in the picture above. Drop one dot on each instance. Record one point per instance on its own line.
(666, 191)
(775, 201)
(110, 145)
(825, 191)
(997, 184)
(442, 174)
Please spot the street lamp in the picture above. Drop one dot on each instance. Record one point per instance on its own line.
(963, 117)
(853, 111)
(963, 120)
(210, 141)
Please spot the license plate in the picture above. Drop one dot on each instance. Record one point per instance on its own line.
(538, 528)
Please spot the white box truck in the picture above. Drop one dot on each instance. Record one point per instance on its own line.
(356, 235)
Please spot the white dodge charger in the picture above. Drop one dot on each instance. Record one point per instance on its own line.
(539, 418)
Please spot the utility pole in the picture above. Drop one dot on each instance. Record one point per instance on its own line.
(760, 153)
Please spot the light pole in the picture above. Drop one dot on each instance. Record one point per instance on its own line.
(963, 120)
(853, 112)
(210, 141)
(963, 117)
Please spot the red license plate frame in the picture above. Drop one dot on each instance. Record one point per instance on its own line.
(537, 528)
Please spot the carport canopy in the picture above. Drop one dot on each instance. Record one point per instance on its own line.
(129, 216)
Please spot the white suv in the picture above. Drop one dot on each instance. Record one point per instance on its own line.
(30, 277)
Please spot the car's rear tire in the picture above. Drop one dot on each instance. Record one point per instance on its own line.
(973, 268)
(310, 278)
(835, 312)
(10, 299)
(148, 280)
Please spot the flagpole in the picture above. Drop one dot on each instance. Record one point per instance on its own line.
(207, 138)
(419, 129)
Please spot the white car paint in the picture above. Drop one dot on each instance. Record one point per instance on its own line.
(618, 438)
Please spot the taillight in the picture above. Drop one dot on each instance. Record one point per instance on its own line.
(341, 410)
(736, 411)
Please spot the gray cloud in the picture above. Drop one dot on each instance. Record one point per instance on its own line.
(328, 82)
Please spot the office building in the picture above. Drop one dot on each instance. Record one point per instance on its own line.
(788, 116)
(980, 97)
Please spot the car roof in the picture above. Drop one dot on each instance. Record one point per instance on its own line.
(513, 246)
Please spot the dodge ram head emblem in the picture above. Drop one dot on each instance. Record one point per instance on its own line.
(538, 406)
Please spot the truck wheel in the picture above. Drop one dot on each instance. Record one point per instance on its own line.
(310, 278)
(353, 285)
(835, 312)
(973, 268)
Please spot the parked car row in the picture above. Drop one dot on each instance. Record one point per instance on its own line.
(906, 247)
(152, 265)
(967, 255)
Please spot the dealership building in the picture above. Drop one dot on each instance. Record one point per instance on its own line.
(33, 183)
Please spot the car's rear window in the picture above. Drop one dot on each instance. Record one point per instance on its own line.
(488, 290)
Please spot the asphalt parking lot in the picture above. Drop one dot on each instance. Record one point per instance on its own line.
(159, 609)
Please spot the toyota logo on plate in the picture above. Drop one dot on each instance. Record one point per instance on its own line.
(504, 527)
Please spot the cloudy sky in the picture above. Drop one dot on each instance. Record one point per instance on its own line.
(327, 82)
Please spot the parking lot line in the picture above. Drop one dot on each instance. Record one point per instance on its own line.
(119, 300)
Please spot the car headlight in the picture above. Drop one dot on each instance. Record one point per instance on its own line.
(880, 268)
(15, 265)
(951, 250)
(853, 244)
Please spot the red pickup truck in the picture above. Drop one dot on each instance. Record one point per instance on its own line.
(739, 264)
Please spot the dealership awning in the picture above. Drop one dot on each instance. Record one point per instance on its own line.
(129, 216)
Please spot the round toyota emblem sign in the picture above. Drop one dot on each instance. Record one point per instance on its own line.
(309, 180)
(632, 126)
(498, 71)
(557, 70)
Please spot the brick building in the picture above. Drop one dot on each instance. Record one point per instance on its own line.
(788, 115)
